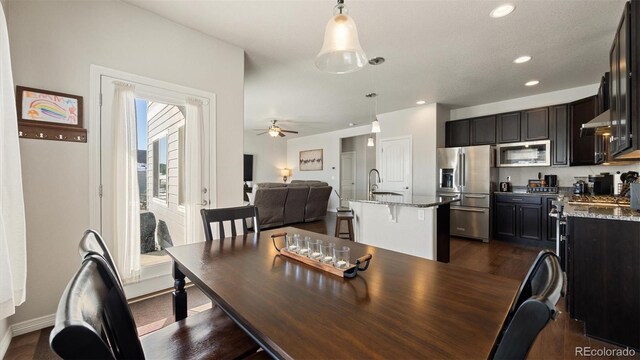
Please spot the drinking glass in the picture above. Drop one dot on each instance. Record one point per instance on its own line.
(303, 246)
(327, 252)
(292, 243)
(341, 257)
(315, 251)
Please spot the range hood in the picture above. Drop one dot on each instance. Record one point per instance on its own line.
(600, 125)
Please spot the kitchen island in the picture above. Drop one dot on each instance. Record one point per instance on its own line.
(417, 225)
(603, 271)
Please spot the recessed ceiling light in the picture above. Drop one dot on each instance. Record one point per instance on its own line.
(522, 59)
(421, 102)
(532, 83)
(502, 10)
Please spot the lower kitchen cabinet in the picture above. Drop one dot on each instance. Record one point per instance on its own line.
(521, 219)
(603, 278)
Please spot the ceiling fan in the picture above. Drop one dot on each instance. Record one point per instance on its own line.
(275, 130)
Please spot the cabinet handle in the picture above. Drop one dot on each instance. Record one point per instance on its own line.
(475, 196)
(516, 199)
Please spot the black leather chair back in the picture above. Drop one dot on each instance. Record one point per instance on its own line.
(533, 314)
(535, 281)
(93, 320)
(93, 244)
(229, 215)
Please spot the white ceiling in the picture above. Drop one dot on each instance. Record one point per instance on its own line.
(449, 52)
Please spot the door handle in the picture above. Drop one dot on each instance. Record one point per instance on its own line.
(406, 188)
(464, 171)
(475, 196)
(203, 203)
(469, 210)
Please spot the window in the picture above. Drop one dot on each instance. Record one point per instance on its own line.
(181, 157)
(160, 168)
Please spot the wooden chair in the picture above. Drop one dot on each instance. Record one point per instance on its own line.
(533, 314)
(94, 321)
(229, 215)
(346, 217)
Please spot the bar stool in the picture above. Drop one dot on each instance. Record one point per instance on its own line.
(345, 216)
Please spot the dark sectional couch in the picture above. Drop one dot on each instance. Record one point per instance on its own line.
(300, 201)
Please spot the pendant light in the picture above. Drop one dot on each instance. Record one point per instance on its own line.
(375, 124)
(370, 141)
(341, 52)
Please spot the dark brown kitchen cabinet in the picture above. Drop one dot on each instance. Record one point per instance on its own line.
(535, 124)
(508, 126)
(457, 133)
(603, 278)
(581, 149)
(551, 223)
(483, 130)
(559, 135)
(521, 219)
(620, 85)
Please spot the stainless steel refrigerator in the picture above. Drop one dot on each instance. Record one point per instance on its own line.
(469, 173)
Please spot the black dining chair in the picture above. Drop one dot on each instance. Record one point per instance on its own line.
(92, 243)
(229, 216)
(93, 321)
(534, 281)
(532, 315)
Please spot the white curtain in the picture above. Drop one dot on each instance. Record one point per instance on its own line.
(126, 194)
(13, 252)
(193, 165)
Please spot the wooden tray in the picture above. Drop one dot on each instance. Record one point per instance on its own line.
(349, 272)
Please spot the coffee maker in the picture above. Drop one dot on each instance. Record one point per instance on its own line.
(601, 184)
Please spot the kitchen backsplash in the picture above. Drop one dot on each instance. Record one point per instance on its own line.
(566, 175)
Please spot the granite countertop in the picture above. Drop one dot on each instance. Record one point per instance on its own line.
(414, 201)
(601, 212)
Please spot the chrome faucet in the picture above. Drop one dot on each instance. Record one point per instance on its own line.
(371, 187)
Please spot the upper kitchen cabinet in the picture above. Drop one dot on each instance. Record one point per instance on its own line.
(621, 83)
(483, 130)
(508, 127)
(457, 133)
(535, 124)
(559, 134)
(581, 149)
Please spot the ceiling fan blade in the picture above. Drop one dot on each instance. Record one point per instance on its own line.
(289, 131)
(281, 134)
(262, 133)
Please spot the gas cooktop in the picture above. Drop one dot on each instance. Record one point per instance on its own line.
(607, 200)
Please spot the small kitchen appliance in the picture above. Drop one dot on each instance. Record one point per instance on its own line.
(601, 184)
(580, 187)
(551, 180)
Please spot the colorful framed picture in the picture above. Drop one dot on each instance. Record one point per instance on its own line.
(311, 160)
(44, 107)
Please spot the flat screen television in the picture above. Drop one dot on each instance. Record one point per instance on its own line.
(248, 167)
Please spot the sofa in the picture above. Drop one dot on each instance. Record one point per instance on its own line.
(300, 201)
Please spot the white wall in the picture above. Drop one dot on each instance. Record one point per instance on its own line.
(330, 143)
(421, 122)
(365, 161)
(269, 156)
(527, 102)
(53, 44)
(5, 337)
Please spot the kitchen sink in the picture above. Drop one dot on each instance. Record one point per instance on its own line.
(384, 193)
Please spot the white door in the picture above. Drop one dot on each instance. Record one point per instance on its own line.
(347, 177)
(161, 174)
(396, 165)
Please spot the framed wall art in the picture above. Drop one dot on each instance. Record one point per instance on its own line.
(49, 115)
(311, 160)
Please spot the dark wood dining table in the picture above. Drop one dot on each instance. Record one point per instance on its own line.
(402, 307)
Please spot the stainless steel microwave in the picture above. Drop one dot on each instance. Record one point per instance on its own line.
(531, 153)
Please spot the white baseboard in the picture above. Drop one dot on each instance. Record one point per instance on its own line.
(33, 324)
(5, 342)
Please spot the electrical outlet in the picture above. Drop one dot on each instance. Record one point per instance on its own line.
(421, 215)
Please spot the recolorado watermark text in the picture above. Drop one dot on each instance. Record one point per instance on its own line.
(589, 351)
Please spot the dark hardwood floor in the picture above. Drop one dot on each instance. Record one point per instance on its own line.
(558, 340)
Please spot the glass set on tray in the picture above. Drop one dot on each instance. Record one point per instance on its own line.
(324, 252)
